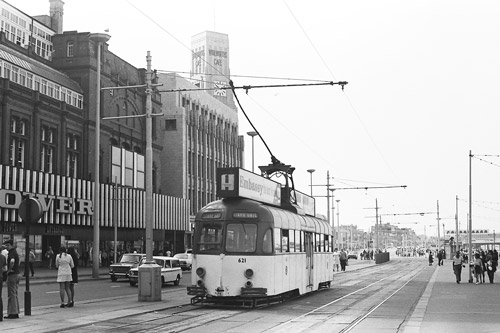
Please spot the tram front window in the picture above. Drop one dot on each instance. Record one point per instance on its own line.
(210, 237)
(241, 237)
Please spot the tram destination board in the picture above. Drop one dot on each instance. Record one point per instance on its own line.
(237, 182)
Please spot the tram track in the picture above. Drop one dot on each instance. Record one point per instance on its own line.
(350, 309)
(355, 298)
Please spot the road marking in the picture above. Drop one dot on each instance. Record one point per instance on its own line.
(52, 292)
(115, 286)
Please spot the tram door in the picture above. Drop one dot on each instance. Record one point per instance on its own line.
(309, 257)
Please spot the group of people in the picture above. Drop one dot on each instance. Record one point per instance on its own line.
(482, 263)
(66, 263)
(339, 258)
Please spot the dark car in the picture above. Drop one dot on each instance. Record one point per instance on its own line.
(122, 268)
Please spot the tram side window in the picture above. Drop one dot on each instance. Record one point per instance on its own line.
(317, 243)
(327, 244)
(284, 240)
(291, 240)
(322, 243)
(241, 237)
(277, 240)
(298, 240)
(210, 237)
(267, 242)
(302, 242)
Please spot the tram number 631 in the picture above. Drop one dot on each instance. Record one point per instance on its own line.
(242, 260)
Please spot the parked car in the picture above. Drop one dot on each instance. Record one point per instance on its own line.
(352, 255)
(185, 259)
(170, 270)
(122, 268)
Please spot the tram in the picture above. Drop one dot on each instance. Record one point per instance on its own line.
(255, 247)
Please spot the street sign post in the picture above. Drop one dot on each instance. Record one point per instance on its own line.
(30, 211)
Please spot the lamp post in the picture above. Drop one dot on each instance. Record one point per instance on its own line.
(338, 222)
(252, 134)
(98, 38)
(311, 172)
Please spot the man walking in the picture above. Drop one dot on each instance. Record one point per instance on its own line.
(343, 260)
(12, 281)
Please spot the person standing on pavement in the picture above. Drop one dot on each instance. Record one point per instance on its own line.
(458, 263)
(64, 264)
(431, 258)
(12, 281)
(478, 268)
(336, 259)
(440, 258)
(3, 269)
(50, 256)
(74, 275)
(343, 260)
(490, 269)
(32, 262)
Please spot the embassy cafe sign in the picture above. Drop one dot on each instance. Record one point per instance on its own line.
(11, 199)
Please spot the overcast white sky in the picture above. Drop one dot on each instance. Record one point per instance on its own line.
(423, 90)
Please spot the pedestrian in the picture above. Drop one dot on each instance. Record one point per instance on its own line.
(431, 258)
(343, 260)
(440, 257)
(3, 269)
(494, 257)
(491, 269)
(32, 262)
(64, 264)
(74, 275)
(336, 259)
(12, 280)
(478, 268)
(50, 256)
(85, 258)
(458, 263)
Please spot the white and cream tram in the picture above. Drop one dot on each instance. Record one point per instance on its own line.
(250, 251)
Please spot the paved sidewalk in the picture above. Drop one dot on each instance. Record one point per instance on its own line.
(446, 306)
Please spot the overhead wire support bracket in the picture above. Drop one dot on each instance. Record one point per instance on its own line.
(248, 87)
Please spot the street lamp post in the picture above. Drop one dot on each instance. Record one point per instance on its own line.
(98, 38)
(311, 172)
(338, 222)
(252, 134)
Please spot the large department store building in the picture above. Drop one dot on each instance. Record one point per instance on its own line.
(47, 148)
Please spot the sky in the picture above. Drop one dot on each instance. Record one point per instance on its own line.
(423, 93)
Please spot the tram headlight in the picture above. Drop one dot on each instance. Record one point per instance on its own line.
(249, 284)
(200, 271)
(200, 283)
(249, 273)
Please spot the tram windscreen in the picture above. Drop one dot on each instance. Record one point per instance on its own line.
(210, 237)
(241, 237)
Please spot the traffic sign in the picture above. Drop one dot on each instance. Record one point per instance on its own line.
(30, 210)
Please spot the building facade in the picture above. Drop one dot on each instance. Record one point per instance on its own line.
(47, 149)
(200, 125)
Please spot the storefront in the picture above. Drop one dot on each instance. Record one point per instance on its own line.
(68, 210)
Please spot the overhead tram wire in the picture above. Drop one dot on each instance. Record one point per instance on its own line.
(249, 76)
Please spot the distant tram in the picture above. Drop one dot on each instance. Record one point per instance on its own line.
(249, 252)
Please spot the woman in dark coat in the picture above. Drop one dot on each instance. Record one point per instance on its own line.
(431, 258)
(74, 273)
